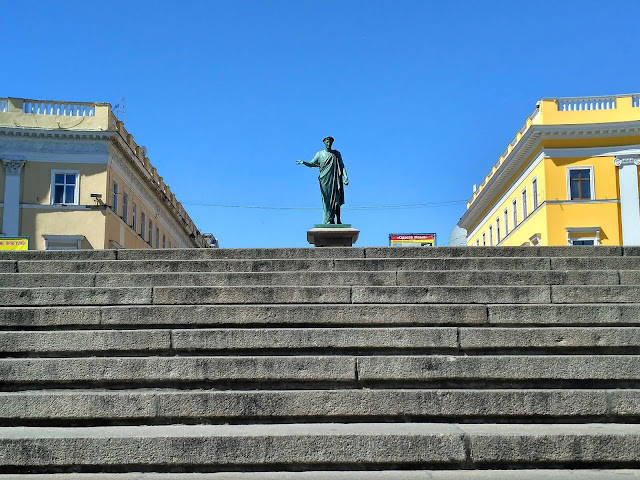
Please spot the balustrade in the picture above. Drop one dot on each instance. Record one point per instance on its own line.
(635, 100)
(67, 109)
(591, 103)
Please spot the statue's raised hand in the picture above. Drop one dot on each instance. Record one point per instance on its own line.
(298, 162)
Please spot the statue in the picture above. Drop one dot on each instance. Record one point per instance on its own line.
(332, 176)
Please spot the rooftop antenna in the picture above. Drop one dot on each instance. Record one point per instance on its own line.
(120, 110)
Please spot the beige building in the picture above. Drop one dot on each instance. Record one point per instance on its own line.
(73, 177)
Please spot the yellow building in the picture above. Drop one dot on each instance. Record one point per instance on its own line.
(569, 177)
(74, 178)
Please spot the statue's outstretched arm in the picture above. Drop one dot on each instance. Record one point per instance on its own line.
(313, 163)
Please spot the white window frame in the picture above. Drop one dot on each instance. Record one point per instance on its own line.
(586, 233)
(523, 198)
(150, 239)
(164, 241)
(506, 222)
(143, 224)
(134, 216)
(115, 191)
(498, 230)
(490, 235)
(63, 242)
(535, 201)
(76, 193)
(125, 207)
(157, 236)
(484, 239)
(514, 204)
(592, 183)
(477, 242)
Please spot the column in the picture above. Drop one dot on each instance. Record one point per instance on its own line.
(11, 214)
(629, 198)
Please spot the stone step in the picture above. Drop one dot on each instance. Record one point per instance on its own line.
(330, 252)
(597, 314)
(151, 406)
(538, 294)
(383, 278)
(296, 265)
(320, 340)
(260, 447)
(276, 370)
(522, 474)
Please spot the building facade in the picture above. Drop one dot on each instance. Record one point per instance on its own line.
(569, 177)
(73, 177)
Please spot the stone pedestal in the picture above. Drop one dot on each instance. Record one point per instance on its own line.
(332, 235)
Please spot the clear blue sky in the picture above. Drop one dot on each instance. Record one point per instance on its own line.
(421, 96)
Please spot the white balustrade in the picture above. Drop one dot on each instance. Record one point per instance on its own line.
(635, 100)
(4, 105)
(68, 109)
(591, 103)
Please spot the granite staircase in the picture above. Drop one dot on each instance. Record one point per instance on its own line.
(325, 363)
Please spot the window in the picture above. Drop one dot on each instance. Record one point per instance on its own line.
(169, 243)
(64, 187)
(134, 216)
(524, 204)
(583, 235)
(125, 207)
(157, 237)
(580, 183)
(114, 201)
(143, 224)
(150, 238)
(484, 239)
(582, 242)
(515, 212)
(490, 235)
(506, 222)
(477, 242)
(497, 230)
(164, 241)
(534, 192)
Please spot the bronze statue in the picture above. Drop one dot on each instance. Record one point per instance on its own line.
(332, 176)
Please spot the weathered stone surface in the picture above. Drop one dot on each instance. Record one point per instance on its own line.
(585, 443)
(595, 294)
(28, 316)
(245, 279)
(564, 314)
(549, 337)
(454, 252)
(497, 367)
(625, 402)
(517, 277)
(596, 263)
(160, 266)
(315, 338)
(59, 255)
(450, 294)
(471, 263)
(249, 295)
(176, 369)
(75, 296)
(316, 315)
(8, 266)
(83, 341)
(389, 402)
(629, 277)
(238, 253)
(283, 405)
(219, 445)
(544, 474)
(540, 474)
(77, 404)
(32, 280)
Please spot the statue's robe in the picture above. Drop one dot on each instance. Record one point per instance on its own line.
(331, 181)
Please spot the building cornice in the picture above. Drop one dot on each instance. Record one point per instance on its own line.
(527, 145)
(57, 133)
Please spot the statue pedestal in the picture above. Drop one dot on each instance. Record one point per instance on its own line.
(330, 235)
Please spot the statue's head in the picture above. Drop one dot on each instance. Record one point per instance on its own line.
(328, 141)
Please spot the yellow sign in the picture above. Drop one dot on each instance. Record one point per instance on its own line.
(14, 243)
